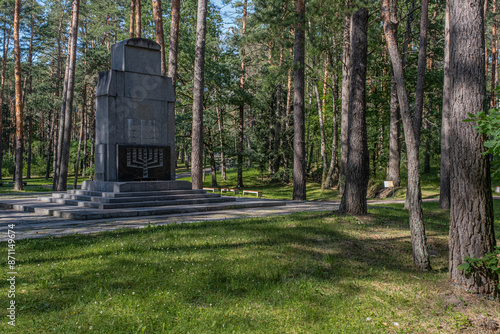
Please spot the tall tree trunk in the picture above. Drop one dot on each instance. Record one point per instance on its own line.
(322, 137)
(394, 165)
(419, 242)
(471, 215)
(220, 122)
(52, 140)
(333, 170)
(67, 105)
(358, 164)
(159, 33)
(57, 148)
(422, 61)
(444, 189)
(18, 177)
(30, 144)
(241, 123)
(80, 139)
(138, 19)
(277, 127)
(199, 83)
(2, 86)
(174, 41)
(345, 99)
(494, 56)
(286, 126)
(85, 139)
(30, 88)
(132, 18)
(299, 151)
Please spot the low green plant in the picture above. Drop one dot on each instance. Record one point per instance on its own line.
(489, 124)
(489, 263)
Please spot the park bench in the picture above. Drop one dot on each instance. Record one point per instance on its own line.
(226, 190)
(211, 189)
(11, 184)
(258, 193)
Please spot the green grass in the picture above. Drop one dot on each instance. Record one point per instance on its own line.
(303, 273)
(36, 184)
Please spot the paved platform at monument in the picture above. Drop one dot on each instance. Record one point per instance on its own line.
(32, 225)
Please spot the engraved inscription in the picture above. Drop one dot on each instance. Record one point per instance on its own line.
(144, 158)
(142, 131)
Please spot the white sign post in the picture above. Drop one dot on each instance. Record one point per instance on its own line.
(389, 184)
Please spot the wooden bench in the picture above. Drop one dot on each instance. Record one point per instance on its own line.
(211, 189)
(258, 193)
(226, 190)
(11, 184)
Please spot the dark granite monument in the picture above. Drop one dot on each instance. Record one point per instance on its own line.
(135, 121)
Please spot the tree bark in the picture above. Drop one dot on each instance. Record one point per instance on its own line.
(286, 126)
(494, 56)
(422, 62)
(132, 18)
(322, 136)
(394, 165)
(220, 122)
(444, 189)
(80, 139)
(333, 170)
(358, 164)
(419, 242)
(18, 177)
(199, 83)
(138, 19)
(52, 139)
(30, 88)
(241, 123)
(30, 145)
(174, 41)
(471, 215)
(299, 151)
(67, 105)
(2, 86)
(159, 33)
(345, 100)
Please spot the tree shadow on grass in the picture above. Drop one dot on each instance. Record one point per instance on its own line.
(246, 258)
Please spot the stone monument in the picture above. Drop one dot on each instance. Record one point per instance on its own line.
(135, 121)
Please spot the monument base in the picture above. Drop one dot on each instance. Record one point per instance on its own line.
(135, 186)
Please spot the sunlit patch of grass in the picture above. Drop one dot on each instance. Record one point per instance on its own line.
(309, 272)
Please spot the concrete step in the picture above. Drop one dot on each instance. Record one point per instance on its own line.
(140, 204)
(134, 199)
(135, 194)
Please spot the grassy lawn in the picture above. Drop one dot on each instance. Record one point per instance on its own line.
(36, 184)
(303, 273)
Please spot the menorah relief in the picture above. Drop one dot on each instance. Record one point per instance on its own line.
(144, 158)
(145, 163)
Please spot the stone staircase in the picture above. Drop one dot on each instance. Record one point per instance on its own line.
(105, 200)
(109, 200)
